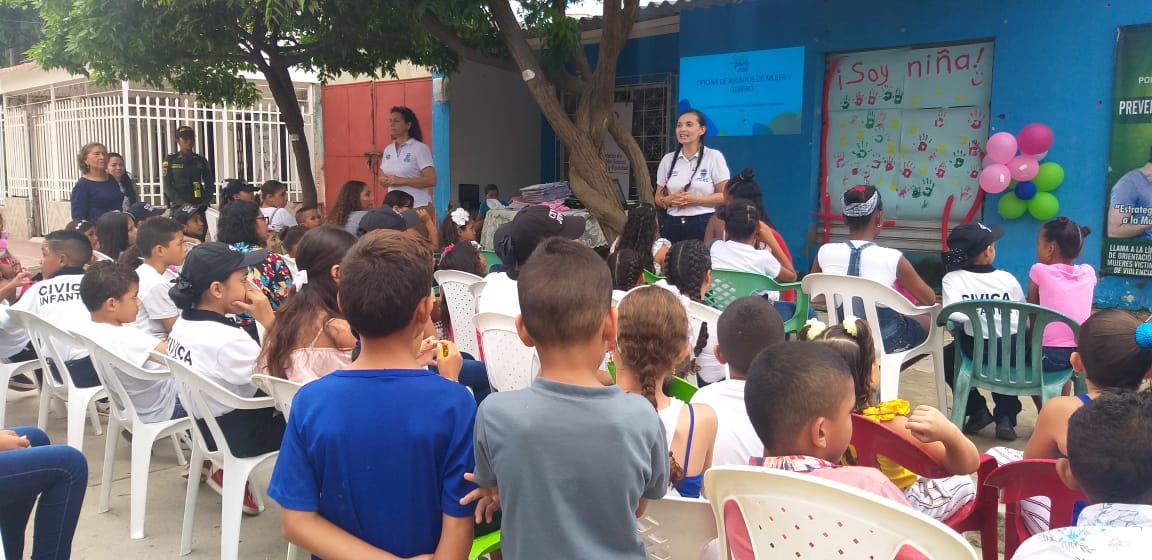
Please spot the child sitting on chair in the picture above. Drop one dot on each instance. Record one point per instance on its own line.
(739, 252)
(110, 292)
(748, 325)
(1110, 459)
(971, 276)
(1056, 283)
(925, 426)
(800, 397)
(653, 338)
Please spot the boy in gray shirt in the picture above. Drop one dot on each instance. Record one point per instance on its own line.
(575, 461)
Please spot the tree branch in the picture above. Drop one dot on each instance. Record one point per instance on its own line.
(446, 35)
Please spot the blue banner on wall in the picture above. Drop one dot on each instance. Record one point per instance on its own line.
(746, 93)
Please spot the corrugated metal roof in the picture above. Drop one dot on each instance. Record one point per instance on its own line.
(656, 10)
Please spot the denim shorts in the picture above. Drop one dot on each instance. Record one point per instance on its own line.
(899, 332)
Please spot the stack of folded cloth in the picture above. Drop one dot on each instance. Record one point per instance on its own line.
(546, 192)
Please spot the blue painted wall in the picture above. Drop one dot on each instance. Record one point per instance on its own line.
(441, 151)
(646, 55)
(1053, 64)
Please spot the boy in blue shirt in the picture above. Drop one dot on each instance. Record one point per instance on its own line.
(574, 460)
(373, 459)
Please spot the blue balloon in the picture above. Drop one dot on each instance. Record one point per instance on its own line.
(1025, 190)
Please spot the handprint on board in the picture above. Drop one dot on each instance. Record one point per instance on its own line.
(899, 96)
(906, 172)
(940, 170)
(861, 151)
(889, 163)
(870, 122)
(871, 97)
(974, 149)
(846, 102)
(887, 94)
(939, 122)
(859, 98)
(958, 158)
(976, 119)
(924, 142)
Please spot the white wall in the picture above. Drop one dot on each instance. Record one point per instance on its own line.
(495, 130)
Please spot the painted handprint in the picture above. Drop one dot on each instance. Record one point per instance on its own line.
(966, 192)
(974, 173)
(839, 160)
(855, 171)
(889, 163)
(976, 119)
(899, 96)
(940, 170)
(870, 122)
(939, 122)
(878, 139)
(906, 172)
(861, 151)
(974, 149)
(902, 192)
(871, 97)
(958, 158)
(929, 186)
(855, 119)
(924, 142)
(846, 102)
(859, 98)
(876, 163)
(887, 94)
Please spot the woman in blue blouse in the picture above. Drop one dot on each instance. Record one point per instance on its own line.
(96, 192)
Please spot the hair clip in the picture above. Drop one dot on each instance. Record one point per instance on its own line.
(301, 279)
(460, 217)
(447, 249)
(815, 327)
(849, 323)
(1144, 334)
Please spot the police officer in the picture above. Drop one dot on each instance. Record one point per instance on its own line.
(188, 176)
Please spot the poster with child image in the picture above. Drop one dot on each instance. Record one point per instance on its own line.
(1128, 239)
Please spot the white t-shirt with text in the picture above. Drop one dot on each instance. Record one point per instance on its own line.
(965, 285)
(155, 303)
(674, 172)
(408, 161)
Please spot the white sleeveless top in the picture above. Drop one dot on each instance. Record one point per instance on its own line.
(876, 262)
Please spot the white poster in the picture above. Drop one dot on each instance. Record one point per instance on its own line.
(614, 156)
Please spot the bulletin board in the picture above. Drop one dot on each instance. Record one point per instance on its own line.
(912, 122)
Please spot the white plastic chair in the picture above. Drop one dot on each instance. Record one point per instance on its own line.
(195, 393)
(50, 341)
(698, 314)
(122, 416)
(211, 219)
(796, 515)
(282, 391)
(8, 370)
(455, 289)
(675, 528)
(508, 360)
(840, 291)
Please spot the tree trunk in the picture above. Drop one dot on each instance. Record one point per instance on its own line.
(636, 159)
(280, 84)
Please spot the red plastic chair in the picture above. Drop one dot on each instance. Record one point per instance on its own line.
(1024, 479)
(871, 438)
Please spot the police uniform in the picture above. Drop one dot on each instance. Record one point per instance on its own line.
(188, 179)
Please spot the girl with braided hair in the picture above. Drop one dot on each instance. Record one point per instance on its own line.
(690, 181)
(627, 268)
(689, 270)
(642, 234)
(652, 339)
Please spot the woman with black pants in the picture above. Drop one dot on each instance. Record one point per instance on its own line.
(690, 181)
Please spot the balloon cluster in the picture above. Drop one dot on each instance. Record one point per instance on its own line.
(1013, 162)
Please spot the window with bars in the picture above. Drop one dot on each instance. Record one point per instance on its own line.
(651, 98)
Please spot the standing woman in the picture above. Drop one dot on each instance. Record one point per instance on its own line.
(406, 164)
(96, 192)
(354, 200)
(119, 172)
(690, 181)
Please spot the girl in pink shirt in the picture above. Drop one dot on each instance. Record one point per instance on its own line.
(1056, 283)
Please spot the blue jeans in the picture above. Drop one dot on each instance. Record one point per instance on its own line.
(1056, 358)
(899, 332)
(683, 228)
(57, 475)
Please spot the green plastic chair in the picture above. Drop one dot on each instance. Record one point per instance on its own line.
(680, 389)
(651, 277)
(1027, 376)
(728, 285)
(491, 258)
(484, 544)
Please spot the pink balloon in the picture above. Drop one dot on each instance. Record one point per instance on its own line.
(1035, 138)
(986, 162)
(1002, 147)
(995, 178)
(1024, 168)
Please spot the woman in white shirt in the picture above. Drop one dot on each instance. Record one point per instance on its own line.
(863, 211)
(690, 181)
(406, 164)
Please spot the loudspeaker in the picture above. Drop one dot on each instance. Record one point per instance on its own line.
(468, 194)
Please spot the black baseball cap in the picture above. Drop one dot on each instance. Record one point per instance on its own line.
(237, 186)
(214, 261)
(533, 224)
(183, 213)
(185, 132)
(968, 240)
(142, 211)
(386, 217)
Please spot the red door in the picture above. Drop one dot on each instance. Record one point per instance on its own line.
(356, 126)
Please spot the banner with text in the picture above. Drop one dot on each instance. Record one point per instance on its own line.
(749, 93)
(1128, 242)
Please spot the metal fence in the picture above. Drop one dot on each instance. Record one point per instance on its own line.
(43, 133)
